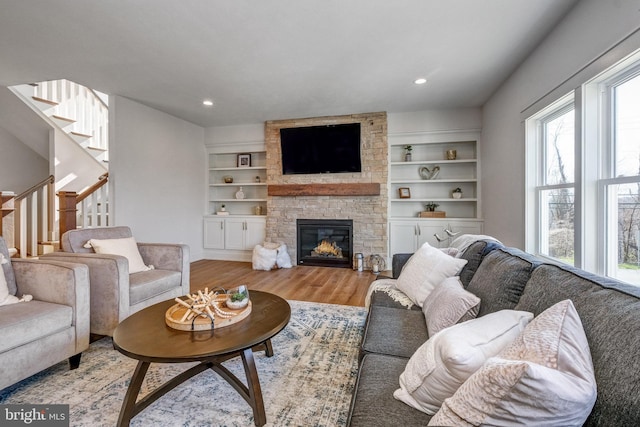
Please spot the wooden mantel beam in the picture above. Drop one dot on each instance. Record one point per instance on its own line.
(343, 189)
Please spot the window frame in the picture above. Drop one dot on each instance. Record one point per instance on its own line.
(536, 142)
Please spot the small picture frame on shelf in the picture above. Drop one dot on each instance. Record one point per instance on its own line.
(404, 192)
(244, 160)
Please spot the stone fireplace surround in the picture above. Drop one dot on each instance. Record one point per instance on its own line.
(325, 196)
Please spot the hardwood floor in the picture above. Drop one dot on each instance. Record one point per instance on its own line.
(315, 284)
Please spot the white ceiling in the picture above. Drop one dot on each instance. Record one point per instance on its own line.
(275, 59)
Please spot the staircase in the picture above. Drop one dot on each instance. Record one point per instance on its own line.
(78, 117)
(82, 113)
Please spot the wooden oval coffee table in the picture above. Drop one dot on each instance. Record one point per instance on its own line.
(144, 336)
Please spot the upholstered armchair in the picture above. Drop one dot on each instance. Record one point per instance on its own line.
(116, 292)
(51, 327)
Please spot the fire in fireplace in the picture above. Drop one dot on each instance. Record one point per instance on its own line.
(325, 242)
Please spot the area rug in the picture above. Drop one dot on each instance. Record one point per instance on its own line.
(308, 382)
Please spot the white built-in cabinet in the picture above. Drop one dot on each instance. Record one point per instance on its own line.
(407, 230)
(233, 236)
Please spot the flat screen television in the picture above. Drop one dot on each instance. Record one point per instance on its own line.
(321, 149)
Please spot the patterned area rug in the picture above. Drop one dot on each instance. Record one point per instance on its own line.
(308, 382)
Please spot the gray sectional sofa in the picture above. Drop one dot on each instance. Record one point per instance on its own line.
(507, 278)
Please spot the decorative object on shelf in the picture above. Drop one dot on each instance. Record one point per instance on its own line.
(452, 154)
(377, 264)
(434, 214)
(244, 160)
(240, 194)
(404, 192)
(228, 179)
(257, 178)
(426, 173)
(431, 206)
(457, 193)
(407, 153)
(207, 309)
(222, 211)
(257, 210)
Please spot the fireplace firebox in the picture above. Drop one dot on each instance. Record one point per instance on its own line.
(325, 242)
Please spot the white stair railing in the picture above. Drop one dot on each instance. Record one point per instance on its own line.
(84, 113)
(93, 211)
(35, 218)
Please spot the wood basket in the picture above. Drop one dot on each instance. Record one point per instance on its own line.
(434, 214)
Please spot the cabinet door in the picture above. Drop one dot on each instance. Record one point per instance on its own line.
(402, 237)
(465, 227)
(427, 233)
(234, 233)
(254, 233)
(214, 233)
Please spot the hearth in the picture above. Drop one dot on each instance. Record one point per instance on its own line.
(325, 242)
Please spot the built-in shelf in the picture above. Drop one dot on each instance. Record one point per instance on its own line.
(223, 162)
(429, 149)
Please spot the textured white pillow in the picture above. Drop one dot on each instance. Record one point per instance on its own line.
(125, 247)
(283, 260)
(424, 270)
(263, 258)
(544, 378)
(449, 303)
(446, 360)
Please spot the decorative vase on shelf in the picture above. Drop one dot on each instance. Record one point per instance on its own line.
(240, 194)
(407, 153)
(457, 193)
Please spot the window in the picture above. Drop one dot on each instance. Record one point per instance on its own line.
(620, 185)
(583, 175)
(554, 188)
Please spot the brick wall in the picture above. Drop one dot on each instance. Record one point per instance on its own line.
(369, 213)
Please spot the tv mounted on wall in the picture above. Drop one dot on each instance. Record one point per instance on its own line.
(321, 149)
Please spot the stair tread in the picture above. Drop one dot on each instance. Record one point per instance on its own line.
(45, 101)
(84, 135)
(95, 148)
(65, 119)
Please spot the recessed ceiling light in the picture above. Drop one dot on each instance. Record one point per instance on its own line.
(420, 81)
(207, 103)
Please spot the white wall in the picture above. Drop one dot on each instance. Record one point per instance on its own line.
(434, 120)
(220, 135)
(20, 166)
(157, 174)
(591, 29)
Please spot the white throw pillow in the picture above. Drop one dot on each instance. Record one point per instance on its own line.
(446, 360)
(544, 378)
(449, 303)
(5, 297)
(125, 247)
(283, 260)
(424, 270)
(263, 258)
(4, 287)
